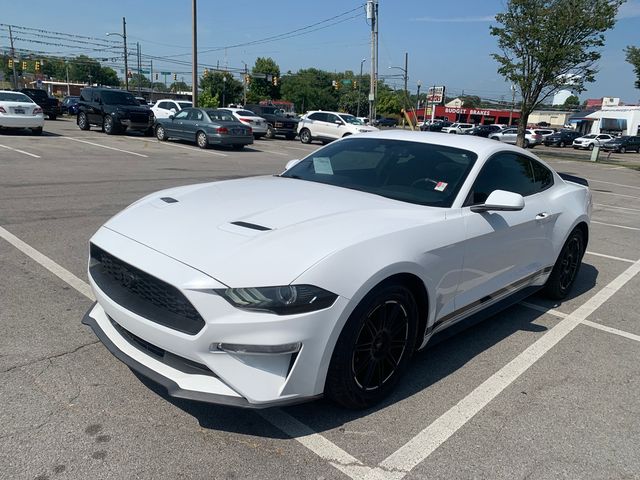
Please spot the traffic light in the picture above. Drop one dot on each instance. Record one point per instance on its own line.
(156, 75)
(247, 79)
(129, 74)
(24, 65)
(355, 84)
(11, 63)
(175, 77)
(335, 84)
(206, 72)
(37, 65)
(274, 81)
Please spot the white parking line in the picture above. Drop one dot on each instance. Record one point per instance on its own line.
(615, 331)
(428, 440)
(610, 257)
(616, 194)
(21, 151)
(105, 146)
(614, 225)
(616, 184)
(540, 308)
(49, 264)
(192, 149)
(615, 207)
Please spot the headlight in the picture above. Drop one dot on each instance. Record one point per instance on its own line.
(283, 300)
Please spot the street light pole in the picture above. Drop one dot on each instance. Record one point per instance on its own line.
(418, 102)
(123, 35)
(194, 54)
(360, 87)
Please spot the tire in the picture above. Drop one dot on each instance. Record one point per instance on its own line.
(623, 150)
(374, 347)
(161, 134)
(562, 144)
(83, 121)
(109, 125)
(237, 146)
(270, 133)
(566, 267)
(525, 144)
(201, 139)
(36, 131)
(52, 116)
(591, 146)
(305, 136)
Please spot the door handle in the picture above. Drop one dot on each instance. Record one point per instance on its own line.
(542, 215)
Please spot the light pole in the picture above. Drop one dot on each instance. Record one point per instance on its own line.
(244, 83)
(123, 35)
(224, 89)
(404, 77)
(359, 87)
(418, 104)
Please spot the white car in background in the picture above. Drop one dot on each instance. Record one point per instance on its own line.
(458, 128)
(590, 141)
(18, 111)
(326, 278)
(328, 126)
(510, 135)
(258, 124)
(167, 106)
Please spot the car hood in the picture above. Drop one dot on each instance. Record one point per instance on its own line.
(133, 109)
(262, 231)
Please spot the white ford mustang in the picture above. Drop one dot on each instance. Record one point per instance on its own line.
(325, 279)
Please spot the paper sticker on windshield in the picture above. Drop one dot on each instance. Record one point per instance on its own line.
(322, 165)
(440, 186)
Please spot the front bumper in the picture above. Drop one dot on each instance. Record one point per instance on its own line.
(238, 379)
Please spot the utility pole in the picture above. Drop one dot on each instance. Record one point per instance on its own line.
(194, 67)
(244, 83)
(360, 87)
(418, 102)
(513, 103)
(68, 88)
(13, 58)
(406, 74)
(126, 61)
(139, 68)
(372, 16)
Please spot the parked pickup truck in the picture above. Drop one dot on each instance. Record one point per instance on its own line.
(50, 105)
(277, 123)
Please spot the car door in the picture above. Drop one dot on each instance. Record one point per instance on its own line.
(602, 138)
(175, 127)
(94, 110)
(509, 135)
(319, 126)
(505, 250)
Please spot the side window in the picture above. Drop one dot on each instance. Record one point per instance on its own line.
(85, 95)
(542, 176)
(316, 116)
(504, 171)
(182, 115)
(164, 105)
(95, 96)
(331, 118)
(196, 115)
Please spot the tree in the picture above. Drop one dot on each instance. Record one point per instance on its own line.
(310, 89)
(572, 102)
(549, 44)
(390, 102)
(633, 57)
(159, 87)
(471, 101)
(262, 87)
(139, 79)
(179, 87)
(223, 86)
(207, 100)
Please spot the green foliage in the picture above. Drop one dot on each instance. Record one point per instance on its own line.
(208, 100)
(471, 101)
(572, 102)
(310, 89)
(159, 87)
(179, 87)
(215, 84)
(261, 88)
(547, 44)
(390, 102)
(633, 57)
(139, 79)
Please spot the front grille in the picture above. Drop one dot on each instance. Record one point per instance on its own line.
(139, 118)
(179, 363)
(143, 294)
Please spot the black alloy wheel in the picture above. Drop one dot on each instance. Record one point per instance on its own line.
(566, 268)
(109, 125)
(374, 347)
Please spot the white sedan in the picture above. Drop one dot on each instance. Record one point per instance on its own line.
(258, 124)
(166, 107)
(18, 111)
(325, 279)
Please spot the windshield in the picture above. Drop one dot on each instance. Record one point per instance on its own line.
(118, 98)
(413, 172)
(352, 120)
(245, 113)
(14, 97)
(184, 105)
(220, 116)
(39, 94)
(589, 136)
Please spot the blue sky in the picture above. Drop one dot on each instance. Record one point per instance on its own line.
(448, 42)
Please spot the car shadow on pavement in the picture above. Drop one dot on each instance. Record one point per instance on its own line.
(6, 132)
(448, 352)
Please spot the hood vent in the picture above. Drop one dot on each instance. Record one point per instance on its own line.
(252, 226)
(169, 200)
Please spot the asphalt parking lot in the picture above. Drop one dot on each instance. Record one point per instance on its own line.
(541, 390)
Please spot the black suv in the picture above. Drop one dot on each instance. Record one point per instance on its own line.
(50, 106)
(114, 111)
(277, 123)
(623, 144)
(561, 138)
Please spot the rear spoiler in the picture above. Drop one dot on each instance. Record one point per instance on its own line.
(574, 179)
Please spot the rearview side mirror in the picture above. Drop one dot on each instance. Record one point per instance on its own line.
(292, 163)
(501, 201)
(171, 117)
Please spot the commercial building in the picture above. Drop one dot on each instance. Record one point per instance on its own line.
(616, 120)
(480, 116)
